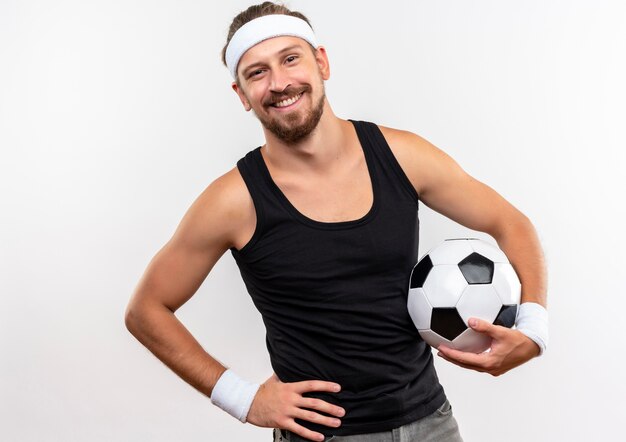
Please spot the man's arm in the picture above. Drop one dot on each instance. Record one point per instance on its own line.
(222, 216)
(173, 276)
(446, 188)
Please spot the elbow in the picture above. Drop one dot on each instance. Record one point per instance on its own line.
(129, 318)
(133, 317)
(142, 315)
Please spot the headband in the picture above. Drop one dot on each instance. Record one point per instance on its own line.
(263, 28)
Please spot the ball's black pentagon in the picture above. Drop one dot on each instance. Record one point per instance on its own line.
(477, 269)
(447, 322)
(506, 317)
(420, 272)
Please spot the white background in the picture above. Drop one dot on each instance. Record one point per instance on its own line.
(115, 115)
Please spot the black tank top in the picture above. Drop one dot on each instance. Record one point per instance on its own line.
(333, 295)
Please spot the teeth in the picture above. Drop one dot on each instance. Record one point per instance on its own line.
(288, 101)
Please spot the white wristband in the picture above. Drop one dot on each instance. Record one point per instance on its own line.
(532, 320)
(234, 395)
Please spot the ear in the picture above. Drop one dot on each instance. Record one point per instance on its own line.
(321, 57)
(242, 96)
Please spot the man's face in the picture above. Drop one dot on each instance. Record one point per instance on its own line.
(282, 81)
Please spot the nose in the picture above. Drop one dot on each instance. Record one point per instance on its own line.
(279, 80)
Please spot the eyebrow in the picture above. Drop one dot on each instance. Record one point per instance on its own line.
(258, 63)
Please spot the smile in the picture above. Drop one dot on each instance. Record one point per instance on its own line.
(288, 102)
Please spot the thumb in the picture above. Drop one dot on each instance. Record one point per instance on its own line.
(483, 326)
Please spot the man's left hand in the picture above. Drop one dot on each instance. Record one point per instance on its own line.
(509, 349)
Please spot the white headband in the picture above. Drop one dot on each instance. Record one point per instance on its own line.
(262, 28)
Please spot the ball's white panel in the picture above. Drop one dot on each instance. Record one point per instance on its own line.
(433, 339)
(472, 341)
(450, 252)
(479, 301)
(506, 283)
(444, 285)
(419, 308)
(488, 250)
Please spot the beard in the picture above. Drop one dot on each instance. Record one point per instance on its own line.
(293, 127)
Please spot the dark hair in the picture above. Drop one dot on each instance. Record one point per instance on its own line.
(256, 11)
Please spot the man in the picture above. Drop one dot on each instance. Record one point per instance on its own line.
(322, 221)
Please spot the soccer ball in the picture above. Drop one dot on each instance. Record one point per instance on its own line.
(457, 280)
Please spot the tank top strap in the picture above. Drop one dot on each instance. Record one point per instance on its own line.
(253, 178)
(388, 168)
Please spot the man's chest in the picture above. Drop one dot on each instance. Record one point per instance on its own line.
(344, 197)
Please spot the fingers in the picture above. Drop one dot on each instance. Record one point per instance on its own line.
(486, 327)
(299, 412)
(307, 408)
(509, 349)
(316, 418)
(307, 386)
(463, 357)
(320, 405)
(488, 367)
(460, 364)
(483, 362)
(305, 432)
(278, 405)
(304, 411)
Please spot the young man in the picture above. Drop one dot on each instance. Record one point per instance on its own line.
(322, 221)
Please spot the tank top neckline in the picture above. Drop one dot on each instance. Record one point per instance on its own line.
(293, 211)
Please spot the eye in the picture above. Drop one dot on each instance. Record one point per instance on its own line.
(291, 58)
(255, 73)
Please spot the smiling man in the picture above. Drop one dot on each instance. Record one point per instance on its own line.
(277, 110)
(322, 221)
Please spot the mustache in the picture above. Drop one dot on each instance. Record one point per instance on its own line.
(287, 93)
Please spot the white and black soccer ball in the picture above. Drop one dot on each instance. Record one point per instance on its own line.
(457, 280)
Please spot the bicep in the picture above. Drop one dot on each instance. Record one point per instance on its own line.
(462, 198)
(176, 272)
(204, 234)
(446, 188)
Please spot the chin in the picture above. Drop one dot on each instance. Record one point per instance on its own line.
(298, 127)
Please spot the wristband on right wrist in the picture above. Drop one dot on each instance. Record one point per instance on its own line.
(234, 395)
(532, 320)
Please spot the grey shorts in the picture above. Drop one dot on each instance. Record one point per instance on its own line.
(441, 426)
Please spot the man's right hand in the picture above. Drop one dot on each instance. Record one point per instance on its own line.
(278, 405)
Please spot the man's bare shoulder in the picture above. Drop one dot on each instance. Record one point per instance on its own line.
(224, 211)
(404, 143)
(417, 156)
(227, 192)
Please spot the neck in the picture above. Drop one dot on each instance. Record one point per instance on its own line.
(324, 145)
